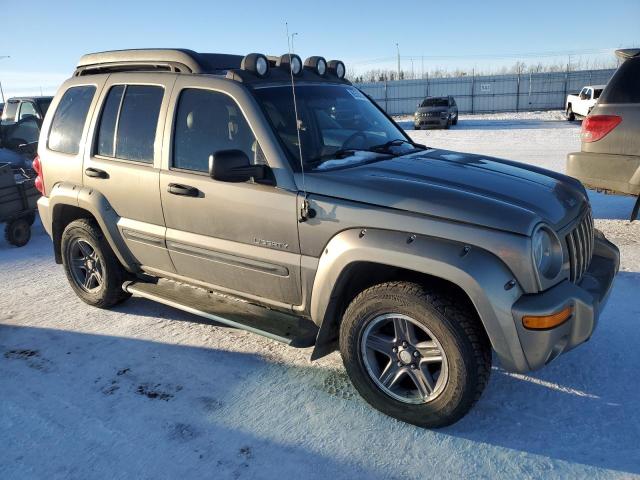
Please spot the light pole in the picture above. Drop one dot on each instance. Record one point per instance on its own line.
(398, 49)
(1, 90)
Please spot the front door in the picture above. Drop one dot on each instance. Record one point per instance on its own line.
(239, 237)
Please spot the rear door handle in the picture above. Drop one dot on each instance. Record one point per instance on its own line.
(184, 190)
(96, 173)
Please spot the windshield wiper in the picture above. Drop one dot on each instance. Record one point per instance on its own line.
(384, 147)
(338, 155)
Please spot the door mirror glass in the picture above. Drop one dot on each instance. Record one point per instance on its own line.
(235, 166)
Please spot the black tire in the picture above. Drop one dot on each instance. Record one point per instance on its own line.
(30, 217)
(109, 291)
(416, 128)
(447, 125)
(455, 121)
(18, 232)
(570, 115)
(457, 329)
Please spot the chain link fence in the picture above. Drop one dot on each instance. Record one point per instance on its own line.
(488, 93)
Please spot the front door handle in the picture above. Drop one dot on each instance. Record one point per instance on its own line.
(96, 173)
(184, 190)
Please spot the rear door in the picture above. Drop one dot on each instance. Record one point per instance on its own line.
(239, 237)
(123, 163)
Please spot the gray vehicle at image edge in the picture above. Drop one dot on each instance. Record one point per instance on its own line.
(436, 112)
(193, 180)
(609, 159)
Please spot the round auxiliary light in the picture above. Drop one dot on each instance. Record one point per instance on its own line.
(294, 65)
(337, 68)
(256, 63)
(317, 64)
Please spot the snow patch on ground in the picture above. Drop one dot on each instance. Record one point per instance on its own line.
(146, 391)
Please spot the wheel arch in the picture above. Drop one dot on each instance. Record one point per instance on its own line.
(479, 277)
(69, 202)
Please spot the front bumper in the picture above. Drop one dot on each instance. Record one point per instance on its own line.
(424, 122)
(588, 298)
(618, 173)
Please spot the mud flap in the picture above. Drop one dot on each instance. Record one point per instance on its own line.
(636, 209)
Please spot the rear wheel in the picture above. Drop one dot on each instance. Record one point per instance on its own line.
(415, 354)
(31, 218)
(455, 120)
(18, 232)
(94, 272)
(570, 115)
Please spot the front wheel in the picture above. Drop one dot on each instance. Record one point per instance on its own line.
(94, 272)
(570, 115)
(415, 354)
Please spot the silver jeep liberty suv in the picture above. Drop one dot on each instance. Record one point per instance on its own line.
(270, 194)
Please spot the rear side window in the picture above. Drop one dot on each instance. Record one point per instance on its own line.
(624, 87)
(129, 121)
(69, 119)
(107, 132)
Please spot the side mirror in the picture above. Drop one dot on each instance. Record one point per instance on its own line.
(234, 166)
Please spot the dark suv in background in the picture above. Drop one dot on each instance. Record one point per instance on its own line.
(610, 155)
(20, 125)
(436, 112)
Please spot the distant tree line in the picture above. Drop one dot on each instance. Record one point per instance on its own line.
(388, 74)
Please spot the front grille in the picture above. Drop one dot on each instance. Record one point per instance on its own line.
(580, 247)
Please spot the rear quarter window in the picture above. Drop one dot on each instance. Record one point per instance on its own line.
(624, 86)
(69, 119)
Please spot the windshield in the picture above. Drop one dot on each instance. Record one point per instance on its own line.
(336, 121)
(435, 102)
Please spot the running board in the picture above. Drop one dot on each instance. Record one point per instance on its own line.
(282, 327)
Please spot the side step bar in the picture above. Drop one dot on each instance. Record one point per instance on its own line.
(282, 327)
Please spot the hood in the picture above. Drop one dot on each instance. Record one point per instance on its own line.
(461, 187)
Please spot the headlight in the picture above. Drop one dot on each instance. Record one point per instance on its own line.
(547, 252)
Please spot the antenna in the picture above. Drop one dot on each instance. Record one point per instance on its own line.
(304, 211)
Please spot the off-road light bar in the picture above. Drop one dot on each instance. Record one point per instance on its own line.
(256, 63)
(295, 64)
(337, 68)
(317, 64)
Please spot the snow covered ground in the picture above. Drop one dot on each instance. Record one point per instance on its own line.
(145, 391)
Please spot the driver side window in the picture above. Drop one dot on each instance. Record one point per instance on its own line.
(207, 122)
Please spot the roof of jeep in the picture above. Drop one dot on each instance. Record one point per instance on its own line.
(171, 59)
(184, 61)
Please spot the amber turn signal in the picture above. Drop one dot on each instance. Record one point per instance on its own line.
(547, 321)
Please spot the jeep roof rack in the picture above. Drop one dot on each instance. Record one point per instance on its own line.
(625, 53)
(156, 59)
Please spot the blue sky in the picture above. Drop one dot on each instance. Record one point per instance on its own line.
(46, 38)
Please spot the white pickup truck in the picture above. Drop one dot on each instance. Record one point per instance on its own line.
(582, 103)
